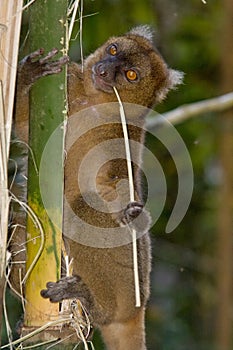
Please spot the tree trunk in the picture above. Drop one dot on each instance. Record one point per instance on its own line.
(224, 326)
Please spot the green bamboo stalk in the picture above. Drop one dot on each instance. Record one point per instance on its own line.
(47, 29)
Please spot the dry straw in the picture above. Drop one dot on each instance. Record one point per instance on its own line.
(132, 199)
(10, 22)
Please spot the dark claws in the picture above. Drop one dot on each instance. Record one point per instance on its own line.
(50, 54)
(33, 56)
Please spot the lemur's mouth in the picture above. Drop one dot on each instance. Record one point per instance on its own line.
(102, 78)
(101, 84)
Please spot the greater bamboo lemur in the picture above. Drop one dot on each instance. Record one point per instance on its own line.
(103, 278)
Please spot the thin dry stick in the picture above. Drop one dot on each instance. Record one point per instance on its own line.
(31, 153)
(19, 294)
(4, 198)
(182, 113)
(28, 4)
(81, 34)
(8, 327)
(3, 154)
(37, 223)
(59, 341)
(65, 305)
(81, 335)
(38, 330)
(131, 193)
(9, 40)
(40, 344)
(8, 66)
(74, 12)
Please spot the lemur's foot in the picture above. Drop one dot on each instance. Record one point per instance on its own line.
(70, 287)
(65, 288)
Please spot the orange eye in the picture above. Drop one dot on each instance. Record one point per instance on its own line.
(112, 50)
(131, 75)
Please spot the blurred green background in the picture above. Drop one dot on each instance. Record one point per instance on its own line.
(184, 312)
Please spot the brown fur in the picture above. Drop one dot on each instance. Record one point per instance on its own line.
(103, 278)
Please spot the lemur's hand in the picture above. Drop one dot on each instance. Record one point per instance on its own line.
(35, 66)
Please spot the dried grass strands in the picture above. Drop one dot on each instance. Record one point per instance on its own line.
(10, 22)
(4, 199)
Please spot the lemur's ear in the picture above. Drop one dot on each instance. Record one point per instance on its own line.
(174, 78)
(143, 30)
